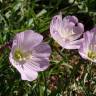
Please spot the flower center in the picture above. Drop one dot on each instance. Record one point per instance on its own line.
(20, 55)
(92, 55)
(66, 33)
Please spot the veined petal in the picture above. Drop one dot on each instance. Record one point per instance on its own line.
(88, 40)
(77, 32)
(56, 24)
(42, 50)
(55, 28)
(79, 28)
(83, 55)
(88, 47)
(26, 73)
(73, 44)
(56, 36)
(70, 19)
(40, 58)
(67, 29)
(83, 50)
(28, 39)
(38, 64)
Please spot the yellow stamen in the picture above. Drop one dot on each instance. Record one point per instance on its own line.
(20, 55)
(92, 55)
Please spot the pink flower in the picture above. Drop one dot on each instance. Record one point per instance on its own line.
(66, 31)
(29, 54)
(88, 45)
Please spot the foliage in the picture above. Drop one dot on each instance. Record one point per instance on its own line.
(69, 74)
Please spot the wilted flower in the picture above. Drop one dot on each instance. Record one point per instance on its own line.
(66, 32)
(29, 54)
(88, 45)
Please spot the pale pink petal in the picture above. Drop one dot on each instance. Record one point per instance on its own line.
(26, 73)
(74, 44)
(43, 50)
(83, 55)
(67, 29)
(83, 50)
(40, 57)
(70, 19)
(86, 41)
(79, 28)
(78, 31)
(28, 39)
(56, 24)
(85, 44)
(88, 44)
(38, 64)
(30, 74)
(56, 36)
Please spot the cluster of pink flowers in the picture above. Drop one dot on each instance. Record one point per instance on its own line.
(30, 55)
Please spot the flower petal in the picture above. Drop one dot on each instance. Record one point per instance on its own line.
(55, 28)
(73, 44)
(88, 44)
(38, 64)
(87, 40)
(56, 24)
(40, 57)
(67, 29)
(78, 30)
(26, 73)
(70, 19)
(43, 50)
(28, 39)
(56, 36)
(29, 73)
(83, 52)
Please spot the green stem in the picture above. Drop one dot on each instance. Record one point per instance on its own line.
(45, 82)
(38, 87)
